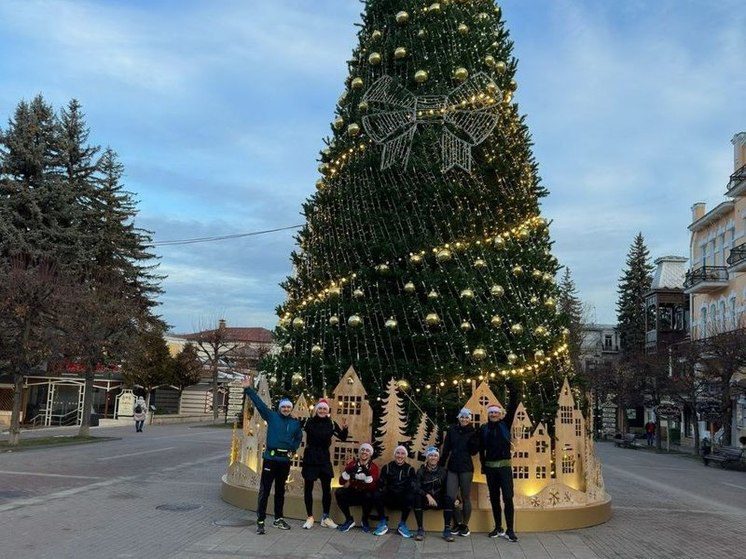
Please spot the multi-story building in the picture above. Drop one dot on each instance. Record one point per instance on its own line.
(667, 316)
(716, 281)
(599, 347)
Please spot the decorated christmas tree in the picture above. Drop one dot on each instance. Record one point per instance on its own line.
(424, 256)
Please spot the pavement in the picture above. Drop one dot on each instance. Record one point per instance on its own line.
(156, 494)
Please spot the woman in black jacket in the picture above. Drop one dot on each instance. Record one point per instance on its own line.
(460, 444)
(317, 464)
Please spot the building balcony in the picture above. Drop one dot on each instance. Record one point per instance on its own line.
(737, 183)
(706, 279)
(737, 259)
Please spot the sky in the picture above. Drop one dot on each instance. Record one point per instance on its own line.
(217, 109)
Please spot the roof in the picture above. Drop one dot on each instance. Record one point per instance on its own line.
(669, 273)
(246, 335)
(713, 215)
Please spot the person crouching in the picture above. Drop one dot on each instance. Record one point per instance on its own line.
(359, 481)
(431, 494)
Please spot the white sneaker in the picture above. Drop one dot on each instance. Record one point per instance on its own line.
(308, 524)
(327, 522)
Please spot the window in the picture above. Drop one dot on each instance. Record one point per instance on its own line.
(734, 322)
(520, 472)
(350, 405)
(541, 447)
(703, 251)
(566, 415)
(541, 472)
(721, 316)
(679, 321)
(568, 465)
(520, 454)
(607, 341)
(578, 428)
(703, 322)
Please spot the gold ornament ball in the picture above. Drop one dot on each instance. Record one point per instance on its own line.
(496, 321)
(297, 378)
(497, 290)
(316, 349)
(548, 277)
(357, 83)
(416, 259)
(466, 326)
(434, 8)
(540, 331)
(492, 88)
(538, 354)
(550, 303)
(420, 76)
(382, 268)
(432, 319)
(339, 122)
(391, 323)
(443, 255)
(533, 300)
(513, 85)
(480, 264)
(517, 329)
(517, 270)
(499, 242)
(363, 105)
(537, 273)
(376, 35)
(375, 58)
(461, 74)
(402, 384)
(432, 295)
(298, 323)
(323, 168)
(489, 60)
(353, 129)
(512, 358)
(467, 294)
(409, 287)
(333, 320)
(501, 66)
(463, 28)
(565, 332)
(354, 321)
(479, 354)
(335, 291)
(402, 18)
(524, 233)
(357, 293)
(287, 348)
(507, 97)
(319, 184)
(400, 53)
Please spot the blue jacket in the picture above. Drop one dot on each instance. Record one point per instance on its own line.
(284, 434)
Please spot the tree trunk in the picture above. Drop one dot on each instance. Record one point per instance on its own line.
(658, 431)
(85, 424)
(697, 451)
(727, 411)
(215, 390)
(14, 437)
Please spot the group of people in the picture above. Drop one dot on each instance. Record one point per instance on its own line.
(443, 482)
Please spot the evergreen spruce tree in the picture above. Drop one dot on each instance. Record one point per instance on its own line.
(635, 281)
(424, 255)
(571, 309)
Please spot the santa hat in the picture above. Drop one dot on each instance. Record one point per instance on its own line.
(401, 447)
(367, 446)
(431, 450)
(465, 412)
(285, 402)
(323, 403)
(494, 408)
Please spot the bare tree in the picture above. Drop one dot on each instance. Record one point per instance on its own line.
(215, 347)
(28, 304)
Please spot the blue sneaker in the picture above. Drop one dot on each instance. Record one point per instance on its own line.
(447, 536)
(365, 527)
(346, 526)
(381, 529)
(404, 531)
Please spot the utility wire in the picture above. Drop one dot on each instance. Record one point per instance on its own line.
(176, 242)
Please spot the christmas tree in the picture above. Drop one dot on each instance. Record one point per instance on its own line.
(424, 255)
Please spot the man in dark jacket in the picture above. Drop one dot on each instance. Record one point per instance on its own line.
(461, 443)
(431, 494)
(495, 454)
(284, 436)
(396, 491)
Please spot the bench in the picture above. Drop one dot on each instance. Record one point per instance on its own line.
(724, 456)
(627, 441)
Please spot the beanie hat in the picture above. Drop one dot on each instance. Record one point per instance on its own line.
(285, 402)
(465, 412)
(322, 403)
(401, 447)
(366, 446)
(431, 450)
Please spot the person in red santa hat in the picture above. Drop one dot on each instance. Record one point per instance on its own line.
(317, 464)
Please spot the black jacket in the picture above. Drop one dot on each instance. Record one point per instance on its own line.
(397, 479)
(319, 433)
(494, 441)
(460, 445)
(431, 482)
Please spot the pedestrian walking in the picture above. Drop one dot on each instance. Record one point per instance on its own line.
(317, 464)
(494, 455)
(460, 444)
(140, 415)
(650, 432)
(284, 436)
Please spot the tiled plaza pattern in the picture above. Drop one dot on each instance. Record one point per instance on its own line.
(100, 500)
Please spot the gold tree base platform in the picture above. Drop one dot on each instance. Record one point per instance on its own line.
(526, 519)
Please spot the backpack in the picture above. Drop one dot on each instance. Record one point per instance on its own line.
(138, 409)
